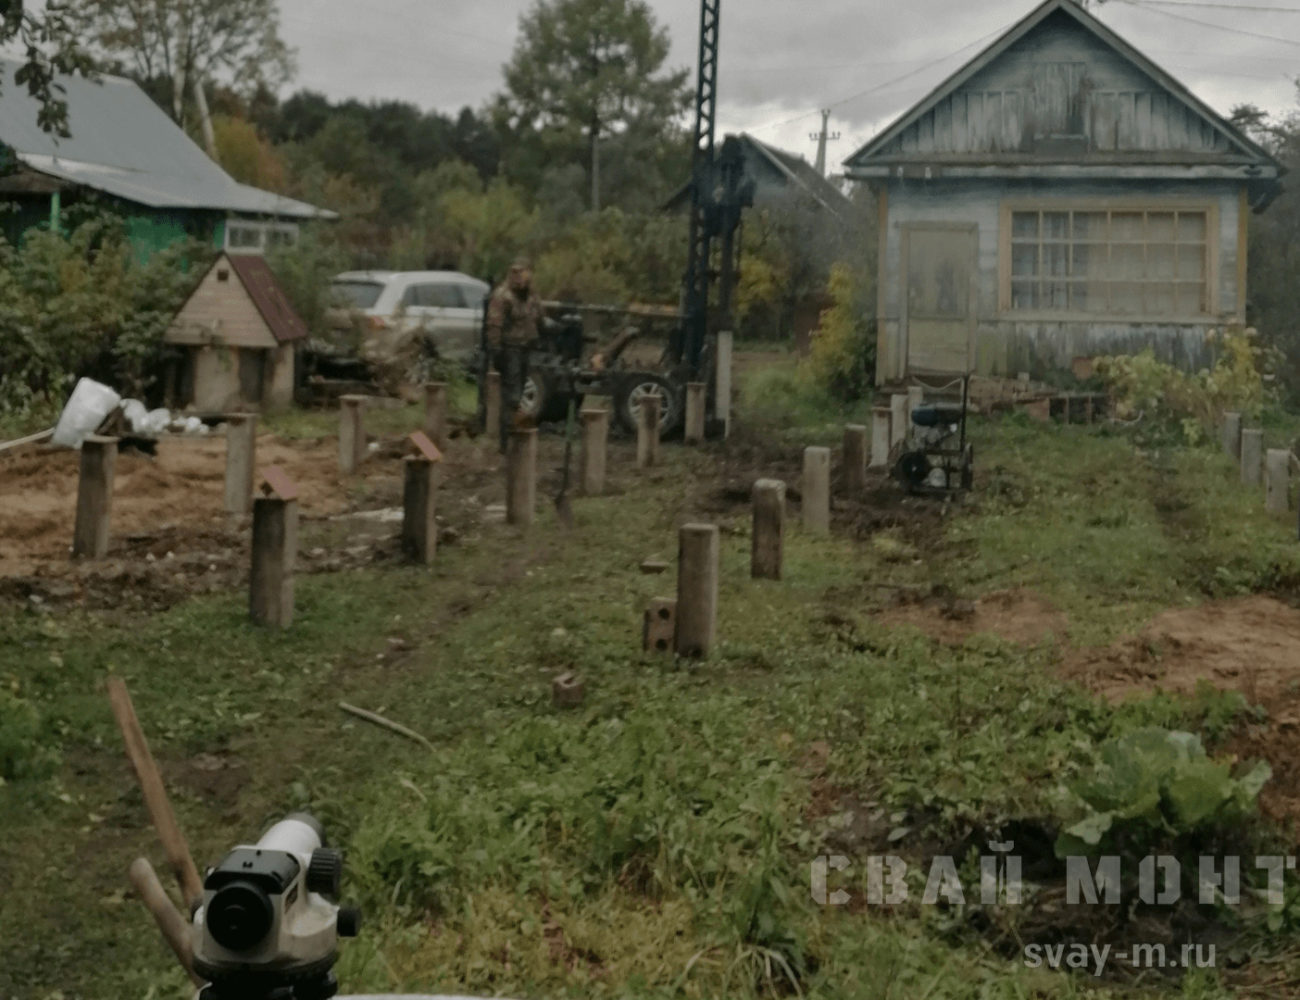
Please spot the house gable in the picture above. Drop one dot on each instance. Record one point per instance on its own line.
(1060, 88)
(221, 311)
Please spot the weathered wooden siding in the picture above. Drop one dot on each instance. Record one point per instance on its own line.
(222, 309)
(1008, 343)
(1059, 91)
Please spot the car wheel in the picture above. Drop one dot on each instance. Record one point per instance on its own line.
(532, 402)
(638, 387)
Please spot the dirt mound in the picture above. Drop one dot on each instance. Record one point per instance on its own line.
(1014, 615)
(183, 484)
(1249, 644)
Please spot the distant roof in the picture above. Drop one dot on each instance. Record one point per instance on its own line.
(124, 145)
(797, 172)
(803, 174)
(257, 277)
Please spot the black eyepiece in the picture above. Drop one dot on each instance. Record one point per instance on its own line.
(240, 916)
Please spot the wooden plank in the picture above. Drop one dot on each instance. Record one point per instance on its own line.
(426, 448)
(276, 483)
(29, 439)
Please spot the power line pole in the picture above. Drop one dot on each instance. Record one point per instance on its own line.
(821, 138)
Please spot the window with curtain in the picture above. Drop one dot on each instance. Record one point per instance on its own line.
(1148, 264)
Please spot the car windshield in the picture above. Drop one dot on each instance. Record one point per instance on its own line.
(357, 294)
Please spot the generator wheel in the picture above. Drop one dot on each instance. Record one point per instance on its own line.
(912, 468)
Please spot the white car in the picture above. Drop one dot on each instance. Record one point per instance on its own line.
(443, 308)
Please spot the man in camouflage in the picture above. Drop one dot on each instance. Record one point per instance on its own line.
(513, 317)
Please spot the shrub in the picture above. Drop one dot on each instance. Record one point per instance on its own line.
(86, 304)
(1241, 380)
(842, 361)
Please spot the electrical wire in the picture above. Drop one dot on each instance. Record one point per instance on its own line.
(1253, 8)
(1207, 24)
(887, 83)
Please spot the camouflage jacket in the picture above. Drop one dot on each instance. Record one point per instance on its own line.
(511, 320)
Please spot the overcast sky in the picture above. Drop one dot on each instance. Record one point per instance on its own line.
(780, 61)
(867, 60)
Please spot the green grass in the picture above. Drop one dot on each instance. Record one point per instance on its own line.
(656, 841)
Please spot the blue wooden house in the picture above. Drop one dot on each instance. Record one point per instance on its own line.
(1058, 196)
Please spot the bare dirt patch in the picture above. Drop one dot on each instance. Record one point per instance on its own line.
(1248, 644)
(171, 537)
(1019, 616)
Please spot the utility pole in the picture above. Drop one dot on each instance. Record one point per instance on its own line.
(820, 138)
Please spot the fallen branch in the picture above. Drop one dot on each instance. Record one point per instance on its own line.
(30, 439)
(175, 931)
(391, 726)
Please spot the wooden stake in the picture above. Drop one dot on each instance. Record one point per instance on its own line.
(595, 445)
(419, 502)
(155, 794)
(816, 502)
(94, 497)
(521, 476)
(275, 551)
(855, 460)
(241, 451)
(647, 432)
(697, 589)
(768, 543)
(435, 413)
(695, 405)
(352, 434)
(175, 930)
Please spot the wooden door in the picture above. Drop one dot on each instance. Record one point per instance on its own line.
(941, 298)
(252, 374)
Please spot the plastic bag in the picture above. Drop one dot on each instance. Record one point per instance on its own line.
(87, 407)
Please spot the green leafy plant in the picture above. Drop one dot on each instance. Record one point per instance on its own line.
(1241, 380)
(24, 753)
(843, 352)
(1153, 786)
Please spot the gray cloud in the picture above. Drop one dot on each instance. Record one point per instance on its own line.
(779, 61)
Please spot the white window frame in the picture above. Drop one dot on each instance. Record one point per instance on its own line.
(264, 231)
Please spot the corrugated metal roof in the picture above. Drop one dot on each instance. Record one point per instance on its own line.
(257, 277)
(123, 144)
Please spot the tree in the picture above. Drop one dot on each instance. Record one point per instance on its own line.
(192, 44)
(584, 70)
(49, 40)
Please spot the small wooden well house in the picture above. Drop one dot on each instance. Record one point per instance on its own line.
(240, 336)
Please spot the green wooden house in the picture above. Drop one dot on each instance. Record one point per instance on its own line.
(126, 153)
